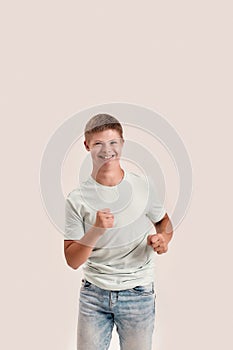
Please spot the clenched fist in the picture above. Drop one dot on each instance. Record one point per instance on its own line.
(104, 218)
(159, 242)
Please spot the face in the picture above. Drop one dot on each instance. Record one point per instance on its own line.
(105, 147)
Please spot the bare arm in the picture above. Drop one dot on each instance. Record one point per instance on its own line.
(160, 240)
(78, 251)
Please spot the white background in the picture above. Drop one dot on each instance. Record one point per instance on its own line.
(60, 57)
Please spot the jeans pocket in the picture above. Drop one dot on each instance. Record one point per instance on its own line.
(144, 290)
(85, 283)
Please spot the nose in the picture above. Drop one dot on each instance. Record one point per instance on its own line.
(106, 147)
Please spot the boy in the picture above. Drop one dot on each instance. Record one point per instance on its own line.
(109, 219)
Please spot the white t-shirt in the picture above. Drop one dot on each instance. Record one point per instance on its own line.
(121, 258)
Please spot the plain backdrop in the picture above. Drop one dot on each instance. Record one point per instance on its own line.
(60, 57)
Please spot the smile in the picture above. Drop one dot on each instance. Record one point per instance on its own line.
(107, 157)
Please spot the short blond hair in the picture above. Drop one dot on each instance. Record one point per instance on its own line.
(101, 122)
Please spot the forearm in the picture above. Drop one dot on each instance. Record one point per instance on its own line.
(164, 232)
(79, 251)
(165, 227)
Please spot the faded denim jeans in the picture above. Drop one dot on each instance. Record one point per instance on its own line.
(131, 310)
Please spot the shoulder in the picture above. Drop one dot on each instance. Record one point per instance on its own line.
(139, 184)
(132, 176)
(138, 179)
(147, 183)
(79, 192)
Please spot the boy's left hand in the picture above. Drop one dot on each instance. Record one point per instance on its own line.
(159, 242)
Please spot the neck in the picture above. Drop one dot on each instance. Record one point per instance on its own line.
(108, 177)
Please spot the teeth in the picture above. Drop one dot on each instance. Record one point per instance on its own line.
(108, 157)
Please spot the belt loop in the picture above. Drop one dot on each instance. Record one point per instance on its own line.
(110, 299)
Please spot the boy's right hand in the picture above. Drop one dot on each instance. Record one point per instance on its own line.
(104, 219)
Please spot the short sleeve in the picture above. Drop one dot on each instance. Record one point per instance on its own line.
(74, 227)
(155, 209)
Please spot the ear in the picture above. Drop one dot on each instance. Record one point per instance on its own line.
(86, 145)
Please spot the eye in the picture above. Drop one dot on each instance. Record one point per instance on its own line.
(112, 142)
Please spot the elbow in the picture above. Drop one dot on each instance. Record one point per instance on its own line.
(72, 265)
(70, 261)
(73, 257)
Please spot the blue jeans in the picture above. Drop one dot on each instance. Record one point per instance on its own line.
(131, 310)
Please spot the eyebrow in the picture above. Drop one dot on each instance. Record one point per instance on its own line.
(107, 140)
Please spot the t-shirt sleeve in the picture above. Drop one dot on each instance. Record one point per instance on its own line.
(74, 227)
(156, 209)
